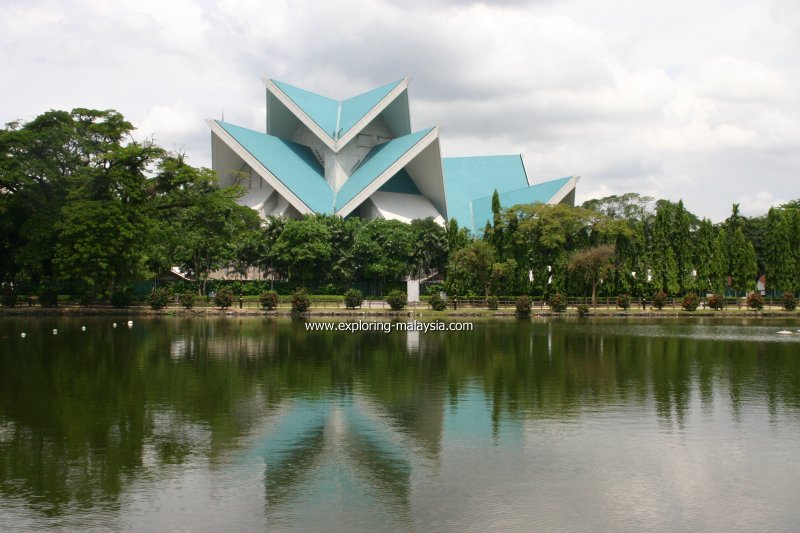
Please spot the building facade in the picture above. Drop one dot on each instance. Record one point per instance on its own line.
(360, 157)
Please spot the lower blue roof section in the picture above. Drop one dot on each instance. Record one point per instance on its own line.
(293, 164)
(377, 161)
(400, 182)
(539, 193)
(468, 178)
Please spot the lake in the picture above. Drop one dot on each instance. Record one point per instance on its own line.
(254, 424)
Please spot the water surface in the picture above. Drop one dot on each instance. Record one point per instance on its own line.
(256, 424)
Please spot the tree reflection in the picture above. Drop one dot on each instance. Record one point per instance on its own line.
(82, 415)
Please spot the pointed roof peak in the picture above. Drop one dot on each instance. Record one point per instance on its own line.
(334, 117)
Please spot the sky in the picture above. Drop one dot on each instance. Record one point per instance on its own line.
(680, 99)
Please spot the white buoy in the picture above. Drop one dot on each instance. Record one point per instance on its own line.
(130, 323)
(114, 325)
(55, 332)
(23, 335)
(83, 328)
(784, 332)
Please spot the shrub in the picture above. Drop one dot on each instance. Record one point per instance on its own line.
(300, 301)
(583, 309)
(434, 288)
(9, 296)
(437, 303)
(690, 302)
(492, 303)
(329, 289)
(223, 298)
(122, 297)
(523, 305)
(187, 299)
(353, 298)
(558, 304)
(268, 299)
(789, 301)
(396, 300)
(716, 302)
(84, 298)
(659, 300)
(624, 301)
(755, 301)
(158, 299)
(48, 297)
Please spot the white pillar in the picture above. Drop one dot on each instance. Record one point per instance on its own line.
(412, 290)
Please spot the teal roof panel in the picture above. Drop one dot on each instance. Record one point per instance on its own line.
(322, 110)
(377, 161)
(400, 182)
(355, 108)
(293, 164)
(468, 178)
(539, 193)
(334, 117)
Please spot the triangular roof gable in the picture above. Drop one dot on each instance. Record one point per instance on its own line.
(541, 193)
(357, 107)
(294, 165)
(377, 162)
(334, 121)
(468, 178)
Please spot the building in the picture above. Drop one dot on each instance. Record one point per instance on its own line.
(360, 157)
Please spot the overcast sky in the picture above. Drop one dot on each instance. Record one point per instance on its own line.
(680, 99)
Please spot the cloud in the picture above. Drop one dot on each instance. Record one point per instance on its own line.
(641, 97)
(758, 203)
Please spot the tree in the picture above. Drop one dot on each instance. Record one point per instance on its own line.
(472, 264)
(304, 249)
(383, 250)
(65, 157)
(779, 260)
(743, 262)
(593, 264)
(429, 249)
(709, 258)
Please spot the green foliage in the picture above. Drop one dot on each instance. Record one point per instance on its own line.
(353, 298)
(300, 301)
(86, 297)
(383, 249)
(303, 249)
(593, 264)
(659, 299)
(48, 296)
(187, 299)
(523, 304)
(789, 301)
(9, 295)
(397, 300)
(471, 268)
(558, 304)
(492, 303)
(755, 301)
(583, 309)
(779, 259)
(122, 297)
(158, 298)
(624, 301)
(268, 299)
(437, 303)
(690, 302)
(716, 302)
(223, 298)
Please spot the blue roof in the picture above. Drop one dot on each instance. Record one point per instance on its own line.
(400, 182)
(539, 193)
(293, 164)
(468, 178)
(377, 161)
(334, 117)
